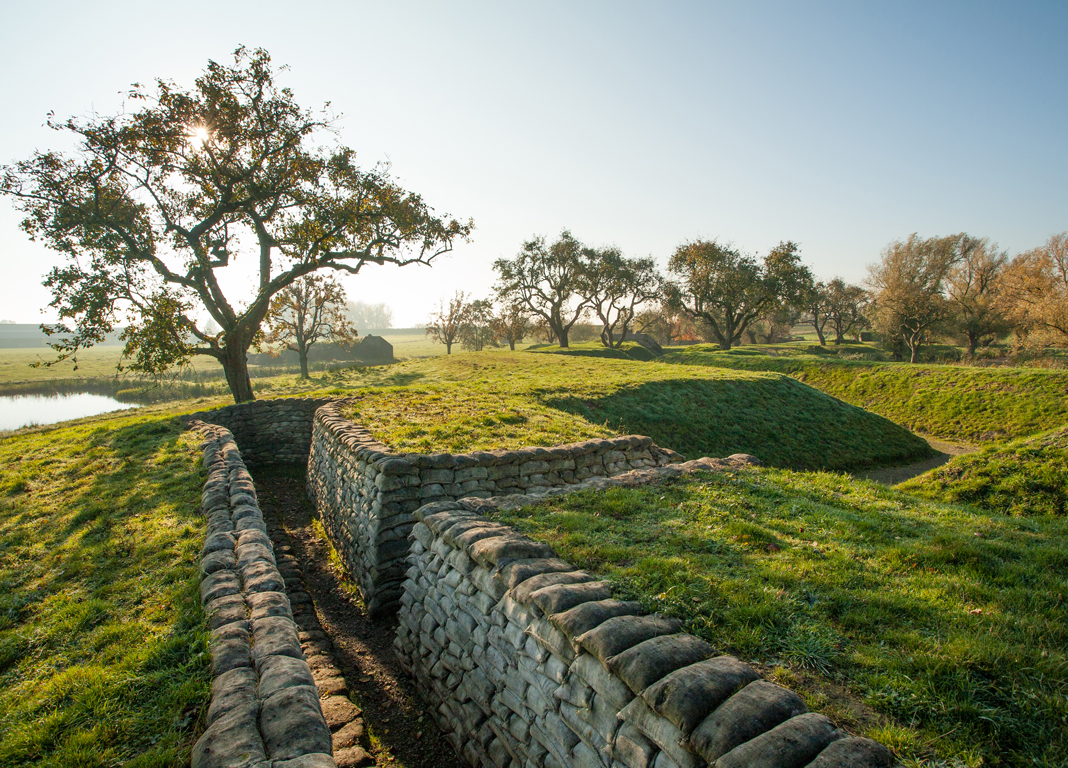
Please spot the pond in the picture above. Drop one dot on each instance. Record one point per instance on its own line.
(30, 410)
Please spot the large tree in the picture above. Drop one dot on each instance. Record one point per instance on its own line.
(306, 311)
(548, 281)
(1035, 293)
(973, 287)
(616, 289)
(725, 290)
(908, 284)
(157, 202)
(846, 308)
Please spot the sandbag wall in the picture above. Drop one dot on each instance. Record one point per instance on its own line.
(527, 661)
(265, 708)
(366, 495)
(269, 431)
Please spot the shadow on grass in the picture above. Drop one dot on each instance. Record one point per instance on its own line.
(781, 421)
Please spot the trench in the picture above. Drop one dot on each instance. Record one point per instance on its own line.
(400, 730)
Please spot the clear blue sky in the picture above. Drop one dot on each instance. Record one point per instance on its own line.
(841, 126)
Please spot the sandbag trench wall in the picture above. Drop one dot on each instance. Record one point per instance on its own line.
(527, 661)
(276, 431)
(265, 709)
(366, 495)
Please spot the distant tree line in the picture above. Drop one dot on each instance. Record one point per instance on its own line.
(959, 287)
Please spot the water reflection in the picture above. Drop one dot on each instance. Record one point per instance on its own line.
(27, 410)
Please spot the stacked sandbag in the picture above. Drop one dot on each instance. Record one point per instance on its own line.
(276, 431)
(366, 494)
(265, 708)
(528, 661)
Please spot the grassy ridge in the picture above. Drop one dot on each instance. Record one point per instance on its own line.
(103, 648)
(940, 631)
(466, 402)
(948, 401)
(1025, 477)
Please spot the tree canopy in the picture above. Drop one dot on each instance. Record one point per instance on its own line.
(726, 290)
(307, 311)
(156, 202)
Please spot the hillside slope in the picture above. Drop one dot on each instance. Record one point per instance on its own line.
(948, 401)
(506, 400)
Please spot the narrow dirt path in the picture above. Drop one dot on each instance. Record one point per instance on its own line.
(403, 734)
(944, 451)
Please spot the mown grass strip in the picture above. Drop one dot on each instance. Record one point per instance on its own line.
(941, 631)
(954, 402)
(103, 648)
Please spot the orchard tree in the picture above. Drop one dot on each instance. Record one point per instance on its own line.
(908, 284)
(846, 308)
(477, 330)
(725, 290)
(447, 321)
(306, 311)
(548, 281)
(1035, 292)
(512, 325)
(973, 287)
(158, 201)
(616, 288)
(816, 303)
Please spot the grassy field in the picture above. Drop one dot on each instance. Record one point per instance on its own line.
(480, 401)
(103, 647)
(938, 630)
(1026, 477)
(953, 402)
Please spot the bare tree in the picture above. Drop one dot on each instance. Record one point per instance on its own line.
(446, 324)
(368, 316)
(307, 311)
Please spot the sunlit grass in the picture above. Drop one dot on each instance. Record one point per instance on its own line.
(940, 630)
(949, 401)
(103, 648)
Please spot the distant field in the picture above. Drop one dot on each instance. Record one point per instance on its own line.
(954, 402)
(939, 630)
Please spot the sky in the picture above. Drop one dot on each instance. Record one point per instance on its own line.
(840, 126)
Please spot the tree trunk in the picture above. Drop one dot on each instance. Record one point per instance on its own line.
(819, 334)
(511, 344)
(303, 354)
(448, 347)
(235, 365)
(973, 342)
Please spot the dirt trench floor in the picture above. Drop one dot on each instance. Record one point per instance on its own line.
(401, 731)
(944, 451)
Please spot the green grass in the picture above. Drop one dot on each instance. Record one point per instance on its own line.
(938, 630)
(103, 647)
(510, 400)
(1025, 477)
(954, 402)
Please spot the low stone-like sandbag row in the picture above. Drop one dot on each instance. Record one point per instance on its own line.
(276, 431)
(528, 661)
(366, 494)
(265, 710)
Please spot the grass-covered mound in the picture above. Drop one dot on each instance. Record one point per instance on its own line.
(103, 649)
(941, 631)
(477, 401)
(955, 402)
(1026, 477)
